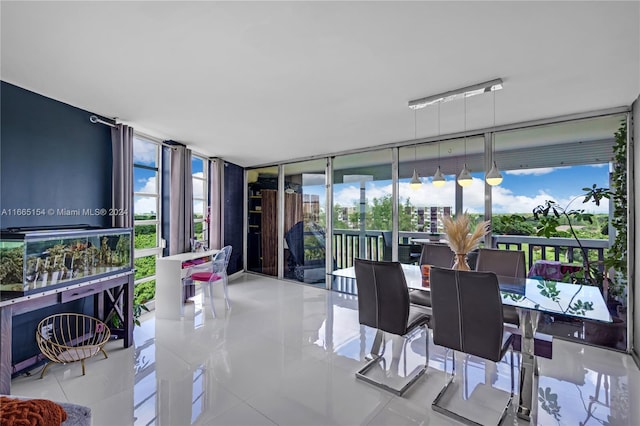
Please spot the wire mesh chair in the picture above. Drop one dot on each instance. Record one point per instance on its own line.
(71, 337)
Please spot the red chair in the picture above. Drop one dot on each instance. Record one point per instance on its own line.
(216, 272)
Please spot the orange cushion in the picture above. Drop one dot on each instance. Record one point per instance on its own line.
(41, 412)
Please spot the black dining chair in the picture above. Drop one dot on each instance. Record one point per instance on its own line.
(507, 263)
(434, 255)
(406, 252)
(383, 304)
(467, 318)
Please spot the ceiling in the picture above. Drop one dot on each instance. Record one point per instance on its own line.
(263, 82)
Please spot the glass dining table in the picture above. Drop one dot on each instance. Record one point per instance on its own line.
(531, 297)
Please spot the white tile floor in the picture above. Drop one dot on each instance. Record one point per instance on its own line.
(287, 353)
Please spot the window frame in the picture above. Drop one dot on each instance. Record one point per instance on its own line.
(204, 180)
(157, 249)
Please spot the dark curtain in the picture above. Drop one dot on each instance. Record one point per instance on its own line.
(122, 179)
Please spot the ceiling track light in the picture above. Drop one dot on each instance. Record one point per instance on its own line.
(464, 92)
(464, 178)
(415, 183)
(494, 177)
(438, 179)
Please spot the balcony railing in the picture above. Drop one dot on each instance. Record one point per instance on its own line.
(347, 244)
(560, 249)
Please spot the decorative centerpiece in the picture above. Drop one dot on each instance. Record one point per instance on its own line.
(460, 238)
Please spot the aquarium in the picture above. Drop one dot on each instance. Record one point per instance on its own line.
(32, 261)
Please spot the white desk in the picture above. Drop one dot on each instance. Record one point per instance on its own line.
(169, 275)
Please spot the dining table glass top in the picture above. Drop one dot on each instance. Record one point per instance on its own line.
(553, 297)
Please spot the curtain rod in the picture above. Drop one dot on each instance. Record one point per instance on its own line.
(94, 119)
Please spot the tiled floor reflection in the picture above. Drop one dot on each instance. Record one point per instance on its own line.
(286, 354)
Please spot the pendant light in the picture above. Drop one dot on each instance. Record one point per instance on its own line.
(415, 183)
(464, 178)
(438, 178)
(494, 177)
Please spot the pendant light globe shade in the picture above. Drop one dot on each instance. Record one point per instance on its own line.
(464, 178)
(415, 183)
(494, 177)
(438, 179)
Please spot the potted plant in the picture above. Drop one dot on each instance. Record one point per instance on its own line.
(549, 215)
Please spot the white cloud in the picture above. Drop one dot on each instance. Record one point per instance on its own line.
(504, 201)
(150, 186)
(143, 205)
(144, 152)
(198, 187)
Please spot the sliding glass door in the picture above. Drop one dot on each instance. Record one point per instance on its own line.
(262, 221)
(305, 196)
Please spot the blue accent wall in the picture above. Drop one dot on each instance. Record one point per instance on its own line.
(53, 158)
(234, 214)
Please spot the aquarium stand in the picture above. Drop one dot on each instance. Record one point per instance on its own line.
(120, 286)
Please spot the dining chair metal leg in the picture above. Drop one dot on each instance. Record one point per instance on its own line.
(378, 344)
(442, 410)
(379, 359)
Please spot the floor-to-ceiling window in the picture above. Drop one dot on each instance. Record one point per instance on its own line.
(362, 206)
(552, 162)
(262, 221)
(200, 172)
(146, 187)
(421, 207)
(554, 166)
(305, 222)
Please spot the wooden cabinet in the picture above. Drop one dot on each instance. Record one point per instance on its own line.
(262, 239)
(269, 232)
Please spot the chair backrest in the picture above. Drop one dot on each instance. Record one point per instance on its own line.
(387, 238)
(295, 241)
(467, 312)
(437, 255)
(383, 296)
(386, 246)
(221, 260)
(508, 263)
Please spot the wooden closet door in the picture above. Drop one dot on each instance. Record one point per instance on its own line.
(292, 210)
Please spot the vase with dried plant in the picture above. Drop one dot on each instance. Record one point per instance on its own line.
(460, 238)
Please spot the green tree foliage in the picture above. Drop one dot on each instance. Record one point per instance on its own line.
(145, 266)
(405, 222)
(617, 255)
(145, 236)
(512, 224)
(144, 292)
(378, 216)
(338, 223)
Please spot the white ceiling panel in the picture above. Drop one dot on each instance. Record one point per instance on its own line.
(263, 82)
